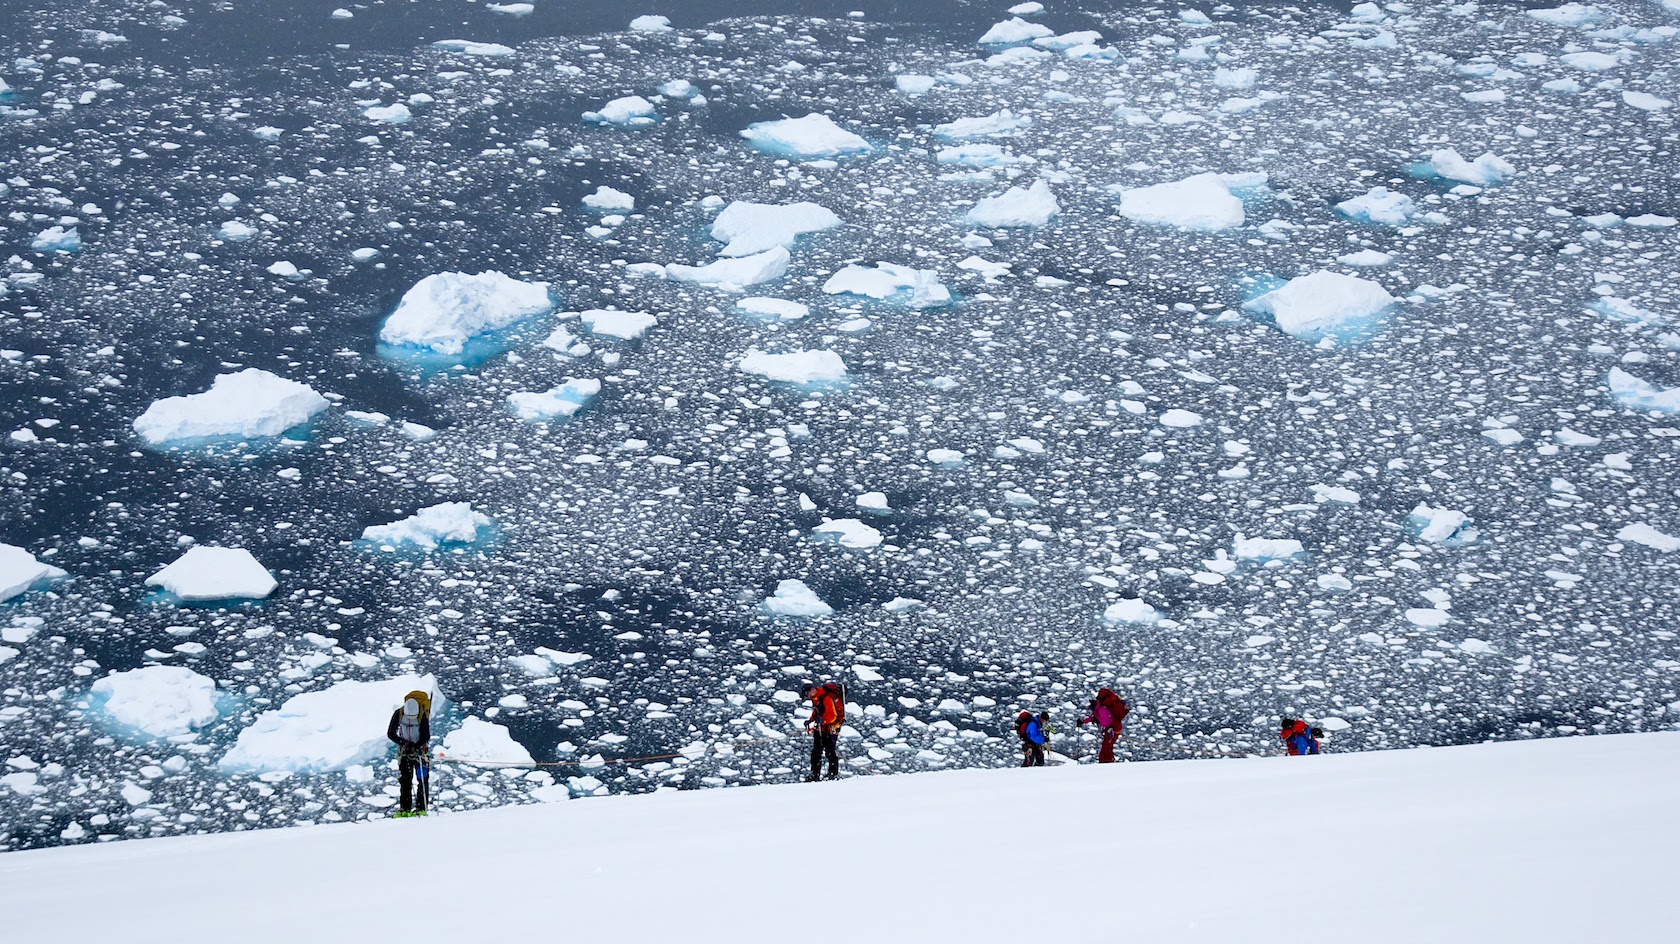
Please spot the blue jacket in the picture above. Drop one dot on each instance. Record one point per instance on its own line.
(1303, 744)
(1034, 733)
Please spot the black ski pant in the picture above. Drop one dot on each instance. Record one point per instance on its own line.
(409, 765)
(825, 742)
(1034, 754)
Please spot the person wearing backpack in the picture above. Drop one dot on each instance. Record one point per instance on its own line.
(411, 730)
(1299, 739)
(1035, 737)
(828, 715)
(1108, 712)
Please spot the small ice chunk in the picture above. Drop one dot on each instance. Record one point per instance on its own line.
(477, 739)
(1379, 205)
(848, 532)
(1645, 101)
(1017, 206)
(1130, 611)
(794, 598)
(388, 114)
(750, 228)
(1202, 202)
(554, 403)
(215, 573)
(1570, 14)
(249, 404)
(773, 308)
(916, 288)
(1486, 171)
(1428, 617)
(651, 23)
(606, 198)
(914, 84)
(471, 48)
(19, 570)
(236, 231)
(1321, 301)
(1365, 259)
(1440, 525)
(326, 730)
(1644, 534)
(445, 310)
(57, 239)
(795, 366)
(1014, 32)
(624, 325)
(430, 527)
(1630, 391)
(734, 273)
(812, 136)
(159, 701)
(631, 111)
(1002, 122)
(1180, 419)
(1264, 549)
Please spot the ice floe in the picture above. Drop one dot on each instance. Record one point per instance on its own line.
(432, 527)
(249, 404)
(750, 228)
(205, 574)
(158, 701)
(1321, 301)
(795, 366)
(329, 729)
(813, 136)
(794, 598)
(442, 312)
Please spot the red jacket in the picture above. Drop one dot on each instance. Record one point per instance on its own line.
(827, 711)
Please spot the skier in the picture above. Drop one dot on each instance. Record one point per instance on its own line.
(1108, 711)
(411, 731)
(1298, 738)
(828, 713)
(1035, 737)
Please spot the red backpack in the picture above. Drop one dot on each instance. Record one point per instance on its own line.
(836, 695)
(1114, 703)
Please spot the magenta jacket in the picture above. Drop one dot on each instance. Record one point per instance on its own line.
(1102, 716)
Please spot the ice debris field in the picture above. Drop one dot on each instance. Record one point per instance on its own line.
(1259, 361)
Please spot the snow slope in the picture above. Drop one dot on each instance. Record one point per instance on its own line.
(1539, 841)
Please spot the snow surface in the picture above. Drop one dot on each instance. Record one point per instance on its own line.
(1321, 301)
(445, 310)
(249, 404)
(329, 729)
(430, 527)
(215, 573)
(1383, 832)
(159, 701)
(750, 228)
(815, 135)
(19, 570)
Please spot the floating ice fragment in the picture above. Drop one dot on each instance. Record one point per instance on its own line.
(388, 114)
(214, 573)
(19, 571)
(631, 111)
(1485, 171)
(57, 239)
(1265, 549)
(249, 404)
(1202, 202)
(1427, 617)
(326, 730)
(1017, 206)
(1013, 32)
(848, 532)
(1321, 301)
(1632, 392)
(480, 740)
(1645, 101)
(555, 403)
(1130, 611)
(795, 366)
(794, 598)
(733, 274)
(624, 325)
(814, 135)
(651, 23)
(159, 701)
(916, 288)
(471, 48)
(1379, 205)
(750, 228)
(1002, 122)
(606, 198)
(236, 231)
(1642, 533)
(914, 84)
(443, 311)
(1180, 419)
(428, 528)
(1570, 14)
(773, 308)
(1441, 525)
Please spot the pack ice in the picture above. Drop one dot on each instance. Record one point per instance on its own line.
(249, 404)
(324, 730)
(215, 573)
(442, 312)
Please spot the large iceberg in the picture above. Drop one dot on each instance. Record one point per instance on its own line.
(1630, 391)
(215, 573)
(917, 288)
(750, 228)
(554, 403)
(1202, 202)
(1017, 206)
(443, 311)
(813, 136)
(1321, 301)
(446, 523)
(325, 730)
(19, 570)
(795, 366)
(249, 404)
(159, 701)
(794, 598)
